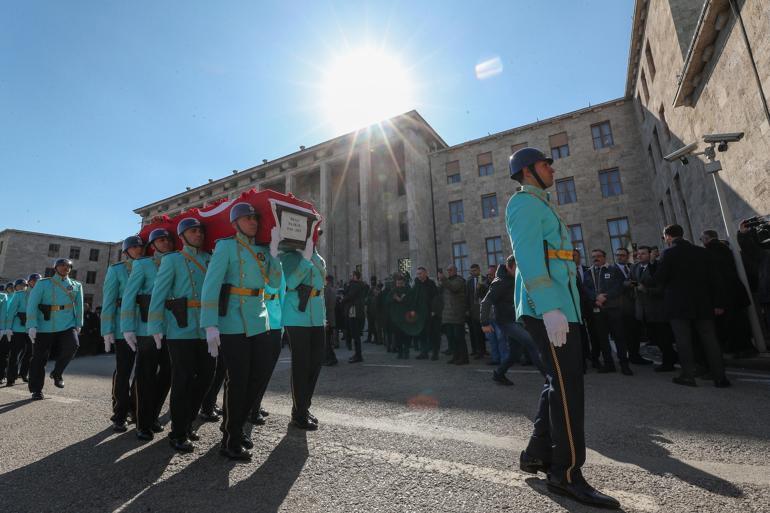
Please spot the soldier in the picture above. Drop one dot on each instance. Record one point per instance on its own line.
(233, 305)
(175, 311)
(5, 323)
(54, 316)
(112, 293)
(152, 376)
(547, 301)
(15, 332)
(26, 355)
(304, 315)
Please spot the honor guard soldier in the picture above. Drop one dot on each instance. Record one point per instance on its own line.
(152, 376)
(547, 301)
(304, 316)
(234, 315)
(54, 316)
(175, 310)
(26, 355)
(114, 286)
(16, 330)
(5, 339)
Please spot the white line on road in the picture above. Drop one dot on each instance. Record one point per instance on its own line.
(751, 380)
(54, 398)
(387, 365)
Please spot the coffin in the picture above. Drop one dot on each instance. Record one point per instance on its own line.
(295, 217)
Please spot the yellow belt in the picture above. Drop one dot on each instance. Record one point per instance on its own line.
(245, 292)
(56, 308)
(560, 254)
(192, 303)
(315, 293)
(270, 297)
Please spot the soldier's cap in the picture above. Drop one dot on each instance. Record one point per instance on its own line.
(526, 157)
(62, 261)
(20, 281)
(33, 277)
(242, 209)
(158, 233)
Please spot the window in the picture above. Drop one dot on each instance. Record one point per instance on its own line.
(93, 255)
(650, 61)
(565, 191)
(403, 227)
(485, 164)
(645, 90)
(460, 258)
(653, 163)
(489, 205)
(517, 147)
(602, 135)
(48, 272)
(453, 172)
(91, 277)
(53, 250)
(609, 179)
(74, 253)
(74, 274)
(620, 234)
(576, 236)
(456, 212)
(559, 146)
(494, 251)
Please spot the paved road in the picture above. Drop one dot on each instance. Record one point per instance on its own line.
(396, 436)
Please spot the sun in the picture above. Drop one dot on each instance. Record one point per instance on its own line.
(364, 87)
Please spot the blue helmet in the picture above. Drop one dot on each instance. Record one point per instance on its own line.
(20, 281)
(187, 223)
(33, 277)
(158, 233)
(525, 157)
(62, 261)
(9, 287)
(241, 210)
(132, 242)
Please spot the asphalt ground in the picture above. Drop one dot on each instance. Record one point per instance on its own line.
(395, 436)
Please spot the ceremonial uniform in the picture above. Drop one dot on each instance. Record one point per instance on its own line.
(5, 344)
(112, 295)
(274, 299)
(305, 327)
(55, 310)
(244, 269)
(152, 376)
(16, 321)
(545, 281)
(175, 311)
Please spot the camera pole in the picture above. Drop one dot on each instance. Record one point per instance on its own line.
(713, 167)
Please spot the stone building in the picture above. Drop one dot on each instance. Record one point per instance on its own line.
(23, 253)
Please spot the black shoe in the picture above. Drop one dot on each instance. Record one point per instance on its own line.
(434, 357)
(156, 427)
(182, 445)
(638, 360)
(664, 368)
(142, 434)
(722, 383)
(606, 369)
(246, 442)
(257, 419)
(10, 383)
(119, 426)
(24, 379)
(57, 381)
(595, 364)
(355, 359)
(582, 492)
(452, 360)
(37, 396)
(462, 362)
(209, 417)
(501, 379)
(447, 352)
(312, 418)
(474, 353)
(531, 464)
(493, 362)
(193, 435)
(303, 423)
(236, 455)
(264, 412)
(688, 382)
(626, 370)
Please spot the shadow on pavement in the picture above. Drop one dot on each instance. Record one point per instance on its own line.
(6, 407)
(539, 486)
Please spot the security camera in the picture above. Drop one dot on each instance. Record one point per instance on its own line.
(681, 153)
(723, 138)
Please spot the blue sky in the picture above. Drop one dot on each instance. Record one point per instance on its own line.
(106, 106)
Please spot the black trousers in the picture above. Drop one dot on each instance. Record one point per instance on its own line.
(330, 334)
(558, 436)
(5, 350)
(17, 345)
(306, 357)
(354, 327)
(210, 398)
(478, 340)
(152, 379)
(455, 334)
(192, 370)
(273, 352)
(660, 333)
(122, 387)
(26, 358)
(684, 329)
(371, 327)
(403, 342)
(67, 341)
(604, 323)
(246, 361)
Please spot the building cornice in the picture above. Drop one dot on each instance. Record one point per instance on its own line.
(638, 26)
(54, 236)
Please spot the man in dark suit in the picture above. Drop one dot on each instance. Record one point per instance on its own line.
(475, 289)
(585, 312)
(649, 308)
(604, 288)
(692, 298)
(628, 308)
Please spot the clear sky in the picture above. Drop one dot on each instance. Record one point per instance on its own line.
(107, 105)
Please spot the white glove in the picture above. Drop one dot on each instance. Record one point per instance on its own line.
(32, 332)
(307, 253)
(77, 330)
(275, 238)
(158, 339)
(109, 340)
(212, 339)
(130, 337)
(8, 334)
(556, 326)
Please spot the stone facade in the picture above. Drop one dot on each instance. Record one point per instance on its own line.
(23, 253)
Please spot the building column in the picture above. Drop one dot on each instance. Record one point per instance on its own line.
(365, 177)
(325, 210)
(289, 184)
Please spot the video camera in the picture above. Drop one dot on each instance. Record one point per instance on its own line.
(760, 225)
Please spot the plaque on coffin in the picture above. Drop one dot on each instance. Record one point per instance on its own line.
(296, 224)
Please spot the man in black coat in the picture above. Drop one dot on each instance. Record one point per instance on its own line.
(425, 291)
(353, 304)
(475, 289)
(692, 297)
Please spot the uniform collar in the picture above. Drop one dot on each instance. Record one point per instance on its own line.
(191, 250)
(57, 276)
(537, 191)
(243, 238)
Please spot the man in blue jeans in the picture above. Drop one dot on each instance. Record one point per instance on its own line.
(500, 297)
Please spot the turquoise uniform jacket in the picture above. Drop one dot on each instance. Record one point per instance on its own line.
(541, 284)
(140, 281)
(60, 292)
(180, 275)
(275, 305)
(16, 305)
(240, 263)
(112, 292)
(3, 310)
(299, 271)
